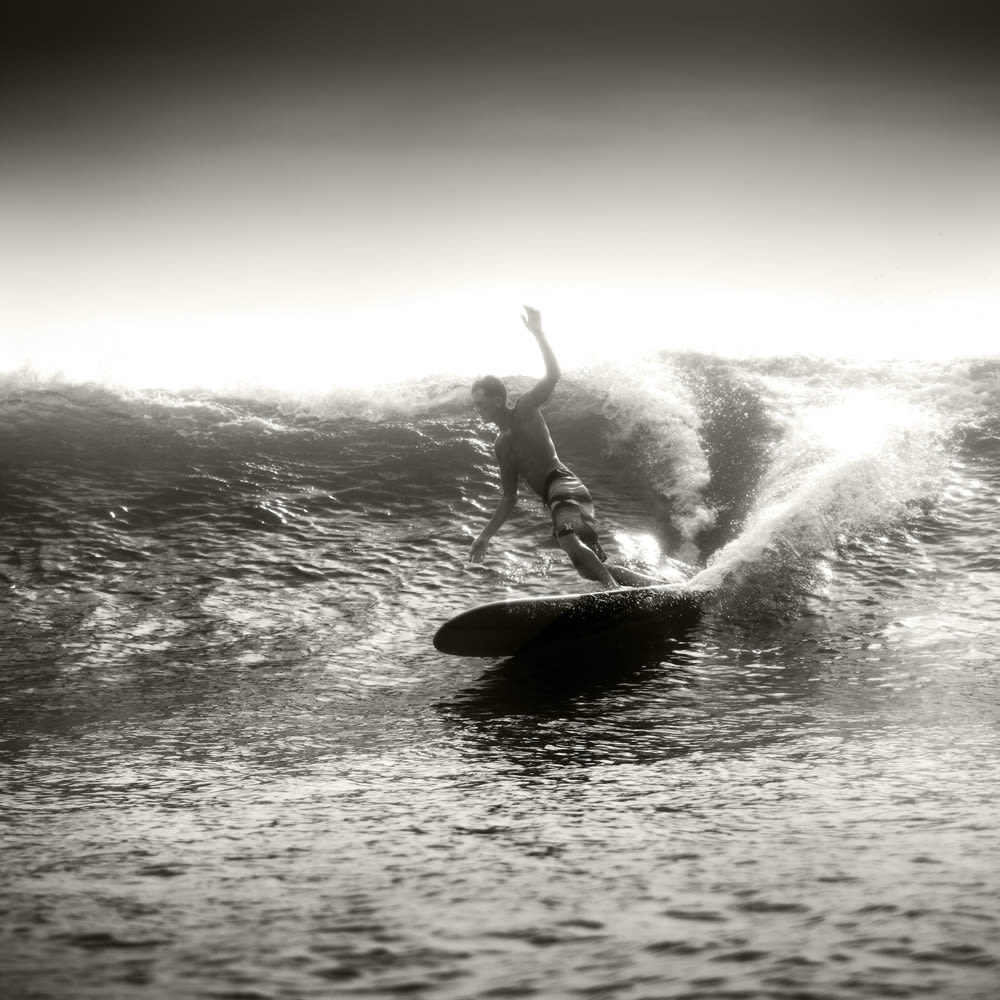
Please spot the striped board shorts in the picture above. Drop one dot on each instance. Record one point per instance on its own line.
(572, 509)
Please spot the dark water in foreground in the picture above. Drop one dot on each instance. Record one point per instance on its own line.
(234, 766)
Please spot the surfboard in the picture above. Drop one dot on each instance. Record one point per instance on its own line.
(504, 628)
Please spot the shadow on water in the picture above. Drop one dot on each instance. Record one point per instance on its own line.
(552, 676)
(721, 687)
(583, 703)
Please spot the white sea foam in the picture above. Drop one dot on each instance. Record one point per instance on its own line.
(652, 418)
(844, 468)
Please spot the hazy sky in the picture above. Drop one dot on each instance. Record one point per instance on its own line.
(230, 158)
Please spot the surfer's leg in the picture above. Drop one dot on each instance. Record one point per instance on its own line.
(629, 577)
(586, 531)
(585, 560)
(573, 526)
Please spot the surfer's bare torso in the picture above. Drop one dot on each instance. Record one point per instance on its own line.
(525, 449)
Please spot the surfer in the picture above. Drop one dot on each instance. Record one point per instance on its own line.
(524, 448)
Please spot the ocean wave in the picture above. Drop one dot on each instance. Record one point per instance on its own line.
(743, 463)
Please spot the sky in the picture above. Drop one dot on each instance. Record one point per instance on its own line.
(392, 179)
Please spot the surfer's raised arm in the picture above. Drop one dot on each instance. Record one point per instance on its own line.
(541, 391)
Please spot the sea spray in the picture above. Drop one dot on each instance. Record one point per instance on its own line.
(652, 418)
(648, 424)
(845, 470)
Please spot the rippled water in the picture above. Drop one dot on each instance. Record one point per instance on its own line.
(234, 766)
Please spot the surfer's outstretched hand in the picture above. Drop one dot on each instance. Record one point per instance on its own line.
(532, 319)
(478, 550)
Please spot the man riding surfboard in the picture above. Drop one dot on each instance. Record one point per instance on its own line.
(524, 448)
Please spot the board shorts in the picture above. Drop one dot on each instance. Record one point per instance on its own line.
(572, 509)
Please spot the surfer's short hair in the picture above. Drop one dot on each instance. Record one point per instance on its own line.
(491, 385)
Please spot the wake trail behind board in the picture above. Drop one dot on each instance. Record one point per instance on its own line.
(504, 628)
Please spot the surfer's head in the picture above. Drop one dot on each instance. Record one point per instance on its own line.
(489, 396)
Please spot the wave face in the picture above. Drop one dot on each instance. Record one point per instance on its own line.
(226, 734)
(714, 449)
(715, 465)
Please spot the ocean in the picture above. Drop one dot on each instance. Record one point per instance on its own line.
(234, 765)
